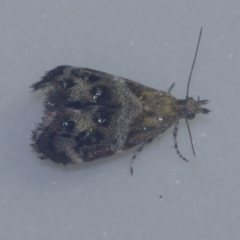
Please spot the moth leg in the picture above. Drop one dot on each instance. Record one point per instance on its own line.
(175, 131)
(137, 152)
(171, 87)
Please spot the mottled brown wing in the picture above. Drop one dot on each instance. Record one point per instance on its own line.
(89, 115)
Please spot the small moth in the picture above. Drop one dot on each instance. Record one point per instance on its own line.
(91, 114)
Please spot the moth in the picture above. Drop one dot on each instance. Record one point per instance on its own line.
(91, 114)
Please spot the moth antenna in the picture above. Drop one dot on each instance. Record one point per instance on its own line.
(171, 87)
(190, 135)
(175, 131)
(195, 56)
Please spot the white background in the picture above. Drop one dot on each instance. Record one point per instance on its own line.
(152, 42)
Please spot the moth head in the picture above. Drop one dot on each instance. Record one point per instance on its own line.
(189, 107)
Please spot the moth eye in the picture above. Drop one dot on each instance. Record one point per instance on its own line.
(100, 93)
(88, 138)
(67, 128)
(66, 83)
(190, 115)
(103, 117)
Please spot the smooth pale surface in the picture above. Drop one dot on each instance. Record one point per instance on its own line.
(152, 42)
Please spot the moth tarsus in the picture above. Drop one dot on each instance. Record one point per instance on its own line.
(91, 114)
(139, 149)
(175, 130)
